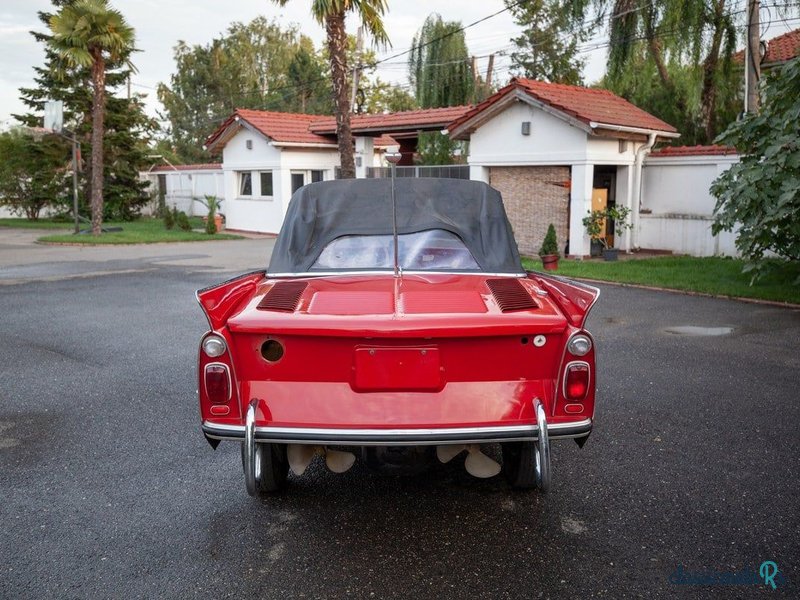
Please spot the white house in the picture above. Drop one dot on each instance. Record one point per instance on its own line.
(557, 151)
(554, 151)
(266, 156)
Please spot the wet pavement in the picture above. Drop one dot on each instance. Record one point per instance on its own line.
(109, 489)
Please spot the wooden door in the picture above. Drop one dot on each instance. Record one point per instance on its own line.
(599, 202)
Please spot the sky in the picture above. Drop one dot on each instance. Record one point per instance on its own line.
(159, 24)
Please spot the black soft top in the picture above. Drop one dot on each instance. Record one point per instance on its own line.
(321, 212)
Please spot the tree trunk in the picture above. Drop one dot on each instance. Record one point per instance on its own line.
(337, 44)
(98, 114)
(708, 95)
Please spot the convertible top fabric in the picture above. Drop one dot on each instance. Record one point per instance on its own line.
(321, 212)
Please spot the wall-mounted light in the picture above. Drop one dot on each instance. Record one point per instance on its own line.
(526, 128)
(623, 146)
(358, 161)
(249, 144)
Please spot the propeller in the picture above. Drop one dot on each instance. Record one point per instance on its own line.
(476, 463)
(301, 455)
(339, 461)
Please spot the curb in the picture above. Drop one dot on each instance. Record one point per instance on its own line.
(775, 303)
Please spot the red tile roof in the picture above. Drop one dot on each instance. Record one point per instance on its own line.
(409, 120)
(278, 126)
(198, 167)
(779, 49)
(284, 127)
(783, 47)
(584, 104)
(694, 151)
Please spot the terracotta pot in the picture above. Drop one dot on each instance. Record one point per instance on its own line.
(550, 262)
(218, 222)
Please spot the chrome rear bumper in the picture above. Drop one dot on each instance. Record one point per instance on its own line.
(399, 437)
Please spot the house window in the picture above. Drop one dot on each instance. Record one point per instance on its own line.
(245, 183)
(298, 181)
(266, 183)
(317, 175)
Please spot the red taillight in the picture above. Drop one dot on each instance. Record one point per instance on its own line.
(576, 385)
(218, 383)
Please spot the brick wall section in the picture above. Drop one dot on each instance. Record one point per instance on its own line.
(533, 199)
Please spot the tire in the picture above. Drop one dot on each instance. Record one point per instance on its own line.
(519, 465)
(274, 467)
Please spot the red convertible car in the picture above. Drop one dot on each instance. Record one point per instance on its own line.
(394, 322)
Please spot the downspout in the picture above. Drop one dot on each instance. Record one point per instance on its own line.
(637, 187)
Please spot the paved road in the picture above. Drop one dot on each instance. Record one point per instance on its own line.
(108, 490)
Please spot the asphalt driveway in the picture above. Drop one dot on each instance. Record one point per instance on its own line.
(109, 490)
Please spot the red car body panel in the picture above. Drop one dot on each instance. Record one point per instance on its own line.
(417, 351)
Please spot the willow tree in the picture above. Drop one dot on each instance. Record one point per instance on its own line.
(331, 14)
(687, 46)
(89, 33)
(439, 65)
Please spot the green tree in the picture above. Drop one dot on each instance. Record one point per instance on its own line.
(331, 14)
(383, 97)
(760, 195)
(90, 34)
(33, 173)
(439, 64)
(685, 47)
(547, 50)
(256, 65)
(128, 129)
(307, 77)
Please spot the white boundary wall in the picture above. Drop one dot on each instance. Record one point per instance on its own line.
(677, 205)
(183, 186)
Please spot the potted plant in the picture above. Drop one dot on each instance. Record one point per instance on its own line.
(549, 250)
(214, 219)
(595, 224)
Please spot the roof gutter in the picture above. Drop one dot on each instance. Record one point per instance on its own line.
(627, 129)
(301, 145)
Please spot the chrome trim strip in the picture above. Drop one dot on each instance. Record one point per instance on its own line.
(389, 272)
(399, 437)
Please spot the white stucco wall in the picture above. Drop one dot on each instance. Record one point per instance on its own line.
(678, 206)
(552, 141)
(260, 212)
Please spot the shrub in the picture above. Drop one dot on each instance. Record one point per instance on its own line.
(183, 222)
(550, 243)
(169, 219)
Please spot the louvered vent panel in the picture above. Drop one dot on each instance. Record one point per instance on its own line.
(511, 295)
(283, 296)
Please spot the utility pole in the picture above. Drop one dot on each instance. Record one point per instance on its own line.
(357, 68)
(752, 57)
(489, 69)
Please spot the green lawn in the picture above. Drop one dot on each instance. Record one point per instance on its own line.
(717, 276)
(141, 231)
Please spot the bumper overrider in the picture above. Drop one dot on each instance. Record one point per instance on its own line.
(399, 437)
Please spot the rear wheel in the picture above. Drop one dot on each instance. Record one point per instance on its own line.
(271, 467)
(519, 465)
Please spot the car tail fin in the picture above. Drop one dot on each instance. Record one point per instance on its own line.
(574, 298)
(219, 301)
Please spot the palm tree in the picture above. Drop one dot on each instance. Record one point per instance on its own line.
(331, 14)
(89, 33)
